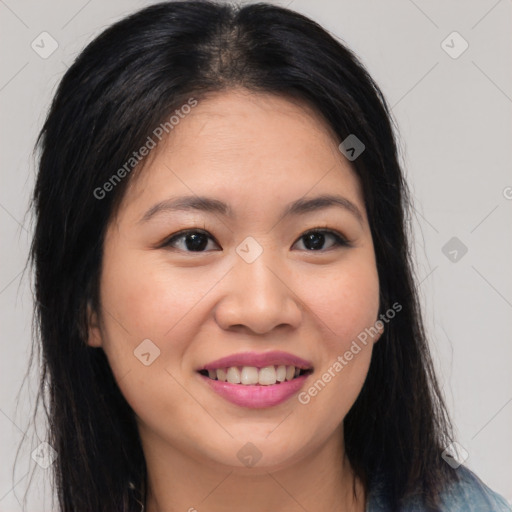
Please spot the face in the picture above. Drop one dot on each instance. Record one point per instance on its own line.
(244, 280)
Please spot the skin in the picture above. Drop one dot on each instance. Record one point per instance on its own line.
(256, 152)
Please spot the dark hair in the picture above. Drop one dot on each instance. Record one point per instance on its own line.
(124, 84)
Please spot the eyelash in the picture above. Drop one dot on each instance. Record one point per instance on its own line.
(339, 239)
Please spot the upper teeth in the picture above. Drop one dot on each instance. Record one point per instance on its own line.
(250, 375)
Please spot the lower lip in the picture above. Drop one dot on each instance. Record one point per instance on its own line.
(256, 397)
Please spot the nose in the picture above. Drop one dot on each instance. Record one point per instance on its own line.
(259, 297)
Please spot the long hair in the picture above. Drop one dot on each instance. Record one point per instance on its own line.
(125, 83)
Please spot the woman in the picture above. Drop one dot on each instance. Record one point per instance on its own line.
(223, 282)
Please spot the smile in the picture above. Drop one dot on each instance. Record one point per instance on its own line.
(256, 379)
(252, 375)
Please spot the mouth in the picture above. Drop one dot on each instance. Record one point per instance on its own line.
(256, 379)
(256, 376)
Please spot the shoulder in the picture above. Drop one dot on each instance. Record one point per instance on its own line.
(470, 494)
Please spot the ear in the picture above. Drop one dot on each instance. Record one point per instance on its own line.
(94, 338)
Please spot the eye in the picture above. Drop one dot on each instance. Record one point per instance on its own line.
(195, 240)
(191, 240)
(315, 239)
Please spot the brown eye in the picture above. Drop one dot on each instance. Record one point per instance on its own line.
(315, 240)
(191, 240)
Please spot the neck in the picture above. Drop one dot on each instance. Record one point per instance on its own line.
(321, 480)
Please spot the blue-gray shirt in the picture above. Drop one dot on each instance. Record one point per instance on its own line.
(469, 495)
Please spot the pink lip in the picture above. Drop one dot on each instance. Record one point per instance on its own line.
(256, 397)
(259, 360)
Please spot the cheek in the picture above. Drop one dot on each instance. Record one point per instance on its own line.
(346, 300)
(149, 297)
(143, 301)
(345, 304)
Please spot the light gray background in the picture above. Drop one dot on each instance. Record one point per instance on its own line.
(455, 122)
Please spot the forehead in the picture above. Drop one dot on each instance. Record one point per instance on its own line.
(248, 145)
(242, 124)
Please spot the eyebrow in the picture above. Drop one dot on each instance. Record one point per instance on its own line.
(211, 205)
